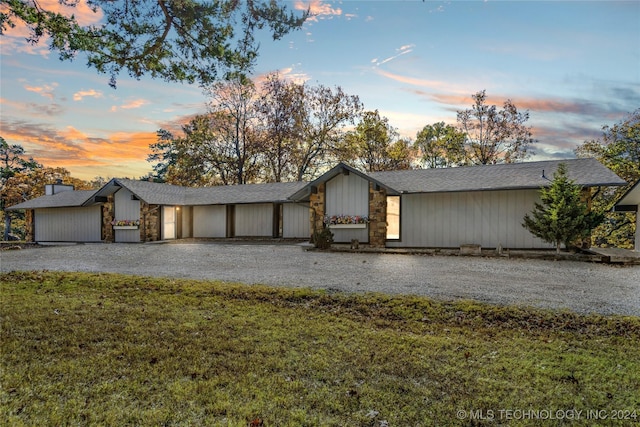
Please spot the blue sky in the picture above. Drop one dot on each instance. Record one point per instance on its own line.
(575, 66)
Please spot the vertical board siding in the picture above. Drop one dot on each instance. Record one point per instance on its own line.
(126, 209)
(636, 246)
(487, 218)
(127, 236)
(210, 221)
(68, 224)
(344, 235)
(186, 222)
(295, 221)
(348, 195)
(254, 220)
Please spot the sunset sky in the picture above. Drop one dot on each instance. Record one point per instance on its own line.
(574, 65)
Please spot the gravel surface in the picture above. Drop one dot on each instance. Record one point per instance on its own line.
(578, 286)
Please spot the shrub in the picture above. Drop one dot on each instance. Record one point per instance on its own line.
(322, 239)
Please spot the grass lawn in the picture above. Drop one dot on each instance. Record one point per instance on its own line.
(104, 349)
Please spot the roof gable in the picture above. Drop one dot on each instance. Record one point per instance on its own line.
(340, 168)
(631, 197)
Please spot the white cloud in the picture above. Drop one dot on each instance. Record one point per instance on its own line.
(402, 50)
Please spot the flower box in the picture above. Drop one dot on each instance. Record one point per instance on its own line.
(125, 224)
(346, 221)
(348, 226)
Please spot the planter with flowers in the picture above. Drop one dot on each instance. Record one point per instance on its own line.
(346, 221)
(126, 224)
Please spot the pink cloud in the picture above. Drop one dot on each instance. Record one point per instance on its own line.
(74, 149)
(285, 74)
(130, 105)
(317, 9)
(410, 80)
(541, 105)
(44, 90)
(78, 96)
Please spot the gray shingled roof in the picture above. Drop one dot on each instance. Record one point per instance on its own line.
(165, 194)
(585, 172)
(276, 192)
(64, 199)
(155, 193)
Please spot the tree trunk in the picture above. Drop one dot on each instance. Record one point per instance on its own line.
(7, 225)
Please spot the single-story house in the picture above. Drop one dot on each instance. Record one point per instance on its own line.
(428, 208)
(125, 210)
(630, 202)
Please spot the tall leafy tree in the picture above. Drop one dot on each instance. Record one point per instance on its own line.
(280, 132)
(282, 113)
(373, 145)
(619, 150)
(164, 153)
(440, 146)
(199, 158)
(12, 162)
(492, 135)
(326, 114)
(176, 40)
(400, 155)
(563, 216)
(234, 119)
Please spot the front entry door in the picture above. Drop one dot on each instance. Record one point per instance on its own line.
(168, 222)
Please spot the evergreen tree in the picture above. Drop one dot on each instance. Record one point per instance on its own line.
(562, 217)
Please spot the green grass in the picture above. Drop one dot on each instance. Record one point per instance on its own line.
(101, 349)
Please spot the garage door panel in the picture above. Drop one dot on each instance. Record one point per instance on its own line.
(68, 224)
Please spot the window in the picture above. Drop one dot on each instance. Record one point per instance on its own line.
(393, 217)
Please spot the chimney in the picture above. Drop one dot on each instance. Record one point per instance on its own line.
(58, 187)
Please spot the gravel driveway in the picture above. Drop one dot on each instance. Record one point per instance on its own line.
(578, 286)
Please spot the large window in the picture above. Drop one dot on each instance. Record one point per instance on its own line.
(393, 217)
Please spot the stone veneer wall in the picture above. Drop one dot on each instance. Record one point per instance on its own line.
(377, 216)
(108, 213)
(149, 222)
(316, 208)
(29, 225)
